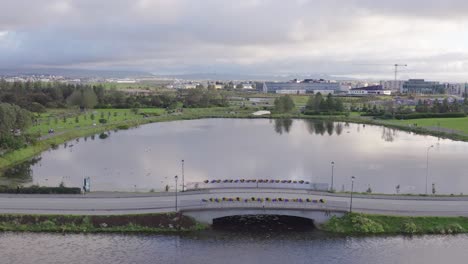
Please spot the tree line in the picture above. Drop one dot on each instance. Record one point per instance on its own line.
(445, 106)
(37, 96)
(319, 104)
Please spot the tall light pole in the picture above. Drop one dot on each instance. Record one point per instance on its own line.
(183, 178)
(332, 167)
(427, 164)
(352, 189)
(175, 177)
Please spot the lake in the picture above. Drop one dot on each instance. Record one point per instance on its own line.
(147, 158)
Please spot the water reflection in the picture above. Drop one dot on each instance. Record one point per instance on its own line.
(215, 247)
(389, 134)
(148, 157)
(283, 125)
(21, 173)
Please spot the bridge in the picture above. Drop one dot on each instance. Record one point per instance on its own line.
(192, 203)
(319, 211)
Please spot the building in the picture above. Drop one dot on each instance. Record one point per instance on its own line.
(394, 86)
(369, 90)
(458, 89)
(305, 86)
(420, 86)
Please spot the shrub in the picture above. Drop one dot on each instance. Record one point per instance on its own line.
(40, 190)
(409, 228)
(428, 115)
(364, 225)
(103, 136)
(102, 120)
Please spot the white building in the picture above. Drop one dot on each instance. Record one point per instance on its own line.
(394, 86)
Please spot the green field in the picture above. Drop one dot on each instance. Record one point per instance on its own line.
(448, 125)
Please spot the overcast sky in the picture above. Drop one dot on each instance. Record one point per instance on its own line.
(357, 38)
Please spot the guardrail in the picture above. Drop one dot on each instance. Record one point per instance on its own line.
(220, 204)
(272, 184)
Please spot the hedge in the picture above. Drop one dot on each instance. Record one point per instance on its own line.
(40, 190)
(428, 115)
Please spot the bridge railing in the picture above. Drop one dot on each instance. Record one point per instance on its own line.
(329, 205)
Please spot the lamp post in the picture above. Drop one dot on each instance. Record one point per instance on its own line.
(176, 177)
(183, 178)
(427, 164)
(332, 167)
(352, 189)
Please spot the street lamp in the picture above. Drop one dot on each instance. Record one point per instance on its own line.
(427, 164)
(333, 167)
(352, 189)
(183, 178)
(176, 178)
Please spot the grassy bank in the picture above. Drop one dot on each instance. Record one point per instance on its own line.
(144, 223)
(364, 224)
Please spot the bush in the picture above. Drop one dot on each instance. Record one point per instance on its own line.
(364, 225)
(103, 136)
(36, 107)
(40, 190)
(428, 115)
(409, 228)
(102, 120)
(326, 113)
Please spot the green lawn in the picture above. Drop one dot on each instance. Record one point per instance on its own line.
(458, 124)
(54, 118)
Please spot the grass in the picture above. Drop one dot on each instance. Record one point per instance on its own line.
(455, 124)
(66, 119)
(140, 223)
(365, 224)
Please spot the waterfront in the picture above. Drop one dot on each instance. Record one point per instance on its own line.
(148, 157)
(227, 247)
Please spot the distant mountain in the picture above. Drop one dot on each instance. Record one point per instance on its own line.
(248, 77)
(75, 73)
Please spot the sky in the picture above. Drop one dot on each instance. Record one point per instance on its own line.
(351, 38)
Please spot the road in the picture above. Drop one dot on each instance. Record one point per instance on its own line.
(127, 203)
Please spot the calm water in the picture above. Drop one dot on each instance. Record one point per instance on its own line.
(218, 247)
(148, 157)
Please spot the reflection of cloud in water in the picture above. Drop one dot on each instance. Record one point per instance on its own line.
(151, 155)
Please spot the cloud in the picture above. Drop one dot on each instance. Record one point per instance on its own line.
(254, 36)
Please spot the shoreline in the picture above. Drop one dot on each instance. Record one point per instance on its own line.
(359, 224)
(19, 156)
(350, 225)
(155, 223)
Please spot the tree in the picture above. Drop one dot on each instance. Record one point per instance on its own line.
(84, 98)
(313, 104)
(13, 117)
(284, 104)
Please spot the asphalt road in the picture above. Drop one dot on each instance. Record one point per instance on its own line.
(127, 203)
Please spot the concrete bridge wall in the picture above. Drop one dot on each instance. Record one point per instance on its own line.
(207, 215)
